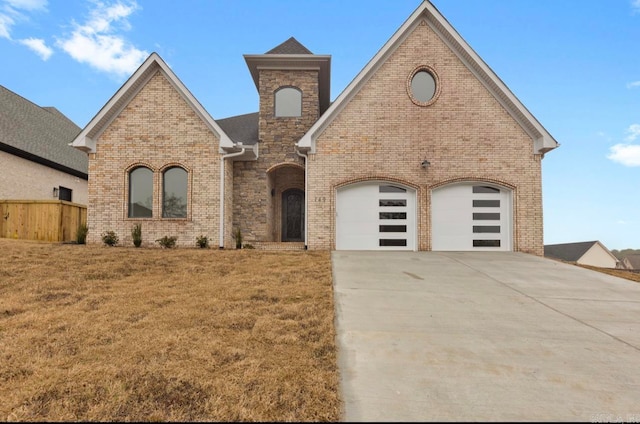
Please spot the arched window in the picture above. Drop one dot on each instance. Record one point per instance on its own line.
(288, 102)
(174, 193)
(140, 193)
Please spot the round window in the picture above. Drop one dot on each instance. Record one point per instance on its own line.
(423, 86)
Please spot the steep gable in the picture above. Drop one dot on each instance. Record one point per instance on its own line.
(86, 140)
(427, 14)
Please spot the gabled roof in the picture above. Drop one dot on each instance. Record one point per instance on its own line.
(572, 252)
(86, 139)
(39, 134)
(543, 141)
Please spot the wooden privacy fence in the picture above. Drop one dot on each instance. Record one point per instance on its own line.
(44, 220)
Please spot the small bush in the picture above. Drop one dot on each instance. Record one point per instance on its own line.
(248, 246)
(202, 242)
(110, 238)
(238, 237)
(136, 234)
(81, 234)
(167, 242)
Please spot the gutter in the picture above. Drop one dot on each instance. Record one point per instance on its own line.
(306, 196)
(222, 162)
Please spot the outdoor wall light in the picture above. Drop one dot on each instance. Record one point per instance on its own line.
(425, 164)
(55, 192)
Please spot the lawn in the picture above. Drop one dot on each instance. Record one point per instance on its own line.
(94, 333)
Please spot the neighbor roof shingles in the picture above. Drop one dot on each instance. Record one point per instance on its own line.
(568, 251)
(35, 132)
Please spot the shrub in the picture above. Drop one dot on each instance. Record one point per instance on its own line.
(136, 234)
(238, 237)
(202, 242)
(248, 246)
(167, 242)
(110, 238)
(81, 234)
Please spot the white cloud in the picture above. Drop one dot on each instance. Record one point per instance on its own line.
(27, 4)
(625, 154)
(635, 4)
(6, 22)
(38, 45)
(13, 11)
(633, 131)
(99, 44)
(634, 84)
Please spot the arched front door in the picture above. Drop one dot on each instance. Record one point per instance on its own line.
(293, 215)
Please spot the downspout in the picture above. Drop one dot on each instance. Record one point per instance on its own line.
(222, 162)
(306, 197)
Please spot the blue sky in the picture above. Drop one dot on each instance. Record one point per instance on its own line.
(574, 64)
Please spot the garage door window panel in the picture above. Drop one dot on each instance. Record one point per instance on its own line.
(486, 229)
(393, 243)
(392, 202)
(391, 189)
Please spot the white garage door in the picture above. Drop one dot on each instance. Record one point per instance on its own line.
(471, 216)
(376, 216)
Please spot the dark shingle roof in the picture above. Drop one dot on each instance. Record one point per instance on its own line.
(568, 251)
(291, 46)
(41, 134)
(241, 129)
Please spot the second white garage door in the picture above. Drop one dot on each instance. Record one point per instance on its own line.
(471, 216)
(376, 216)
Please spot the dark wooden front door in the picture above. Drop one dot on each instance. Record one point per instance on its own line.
(293, 215)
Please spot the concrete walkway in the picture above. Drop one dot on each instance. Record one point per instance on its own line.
(479, 336)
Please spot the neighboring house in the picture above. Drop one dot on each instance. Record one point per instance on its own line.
(36, 160)
(426, 149)
(591, 253)
(631, 262)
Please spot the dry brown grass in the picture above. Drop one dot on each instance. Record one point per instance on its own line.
(622, 273)
(104, 334)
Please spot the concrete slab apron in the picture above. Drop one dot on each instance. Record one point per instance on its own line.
(480, 336)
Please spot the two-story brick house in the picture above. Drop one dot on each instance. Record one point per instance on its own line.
(426, 149)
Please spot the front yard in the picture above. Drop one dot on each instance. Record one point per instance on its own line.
(93, 333)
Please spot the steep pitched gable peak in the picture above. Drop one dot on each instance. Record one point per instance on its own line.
(291, 46)
(86, 140)
(427, 14)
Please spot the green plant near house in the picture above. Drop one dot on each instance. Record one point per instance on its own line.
(81, 234)
(238, 237)
(136, 234)
(167, 242)
(248, 246)
(202, 242)
(110, 238)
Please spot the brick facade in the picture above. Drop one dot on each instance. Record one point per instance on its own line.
(465, 134)
(156, 129)
(256, 212)
(381, 134)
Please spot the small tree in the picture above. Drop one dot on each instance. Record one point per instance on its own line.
(238, 237)
(136, 234)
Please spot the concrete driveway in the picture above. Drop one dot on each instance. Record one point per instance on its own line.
(480, 336)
